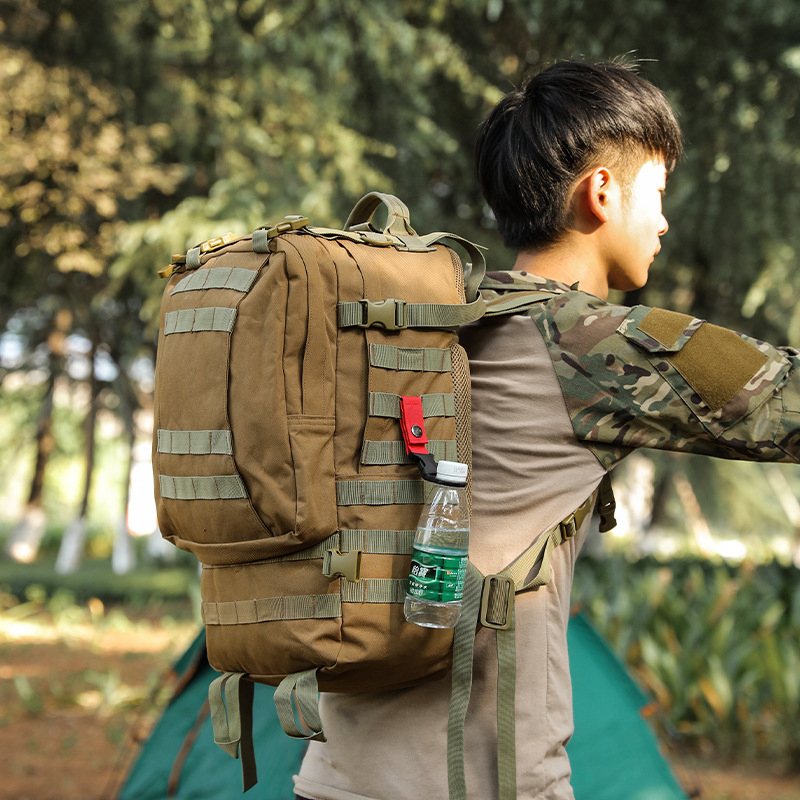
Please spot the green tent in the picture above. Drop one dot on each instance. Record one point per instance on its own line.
(614, 754)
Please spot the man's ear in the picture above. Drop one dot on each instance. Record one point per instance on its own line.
(597, 188)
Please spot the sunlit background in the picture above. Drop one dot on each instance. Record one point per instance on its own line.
(132, 130)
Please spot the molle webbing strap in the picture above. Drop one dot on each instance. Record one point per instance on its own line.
(230, 698)
(374, 590)
(394, 452)
(477, 271)
(270, 609)
(497, 610)
(235, 278)
(379, 493)
(417, 359)
(417, 315)
(384, 404)
(520, 571)
(506, 711)
(202, 487)
(379, 542)
(193, 258)
(516, 302)
(403, 242)
(373, 542)
(195, 442)
(317, 606)
(194, 320)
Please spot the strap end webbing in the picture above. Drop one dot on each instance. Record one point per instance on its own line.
(231, 702)
(300, 688)
(606, 504)
(463, 649)
(392, 314)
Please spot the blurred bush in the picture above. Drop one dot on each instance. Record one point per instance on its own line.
(717, 646)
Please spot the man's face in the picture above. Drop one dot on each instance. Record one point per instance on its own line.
(638, 225)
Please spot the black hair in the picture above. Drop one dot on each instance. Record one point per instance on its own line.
(563, 121)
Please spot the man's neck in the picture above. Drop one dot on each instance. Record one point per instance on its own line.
(566, 262)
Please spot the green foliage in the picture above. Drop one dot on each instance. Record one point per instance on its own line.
(18, 408)
(754, 504)
(133, 130)
(230, 114)
(145, 587)
(30, 699)
(244, 111)
(256, 109)
(718, 647)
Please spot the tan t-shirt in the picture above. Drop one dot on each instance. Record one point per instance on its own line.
(529, 472)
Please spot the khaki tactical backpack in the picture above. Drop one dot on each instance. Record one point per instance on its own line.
(284, 461)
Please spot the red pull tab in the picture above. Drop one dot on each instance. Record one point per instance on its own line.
(412, 423)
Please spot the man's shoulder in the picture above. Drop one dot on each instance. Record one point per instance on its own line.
(501, 282)
(558, 309)
(587, 326)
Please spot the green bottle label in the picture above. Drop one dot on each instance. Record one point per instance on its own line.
(437, 576)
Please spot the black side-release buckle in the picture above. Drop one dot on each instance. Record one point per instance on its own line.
(426, 464)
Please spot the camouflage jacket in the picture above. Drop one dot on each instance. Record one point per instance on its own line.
(648, 377)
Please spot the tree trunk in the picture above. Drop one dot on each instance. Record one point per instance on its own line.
(71, 550)
(663, 486)
(26, 536)
(789, 504)
(697, 522)
(123, 556)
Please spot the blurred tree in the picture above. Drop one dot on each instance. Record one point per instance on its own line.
(135, 128)
(68, 164)
(23, 542)
(732, 69)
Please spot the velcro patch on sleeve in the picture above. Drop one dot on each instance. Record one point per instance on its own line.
(715, 362)
(666, 327)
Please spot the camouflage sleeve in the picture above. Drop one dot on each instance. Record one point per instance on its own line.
(647, 377)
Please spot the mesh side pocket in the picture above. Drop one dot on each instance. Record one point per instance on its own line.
(462, 391)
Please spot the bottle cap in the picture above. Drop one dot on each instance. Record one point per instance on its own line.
(452, 473)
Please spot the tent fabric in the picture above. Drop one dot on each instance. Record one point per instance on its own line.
(614, 753)
(207, 771)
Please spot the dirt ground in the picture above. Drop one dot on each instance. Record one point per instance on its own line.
(77, 688)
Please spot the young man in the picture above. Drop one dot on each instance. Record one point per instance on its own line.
(573, 165)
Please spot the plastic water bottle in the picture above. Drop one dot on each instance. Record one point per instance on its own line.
(439, 560)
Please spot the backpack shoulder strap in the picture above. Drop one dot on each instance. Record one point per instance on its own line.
(497, 611)
(507, 292)
(516, 302)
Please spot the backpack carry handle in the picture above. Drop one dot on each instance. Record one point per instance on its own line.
(398, 224)
(397, 220)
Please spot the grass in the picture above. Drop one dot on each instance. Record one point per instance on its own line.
(85, 654)
(149, 586)
(718, 648)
